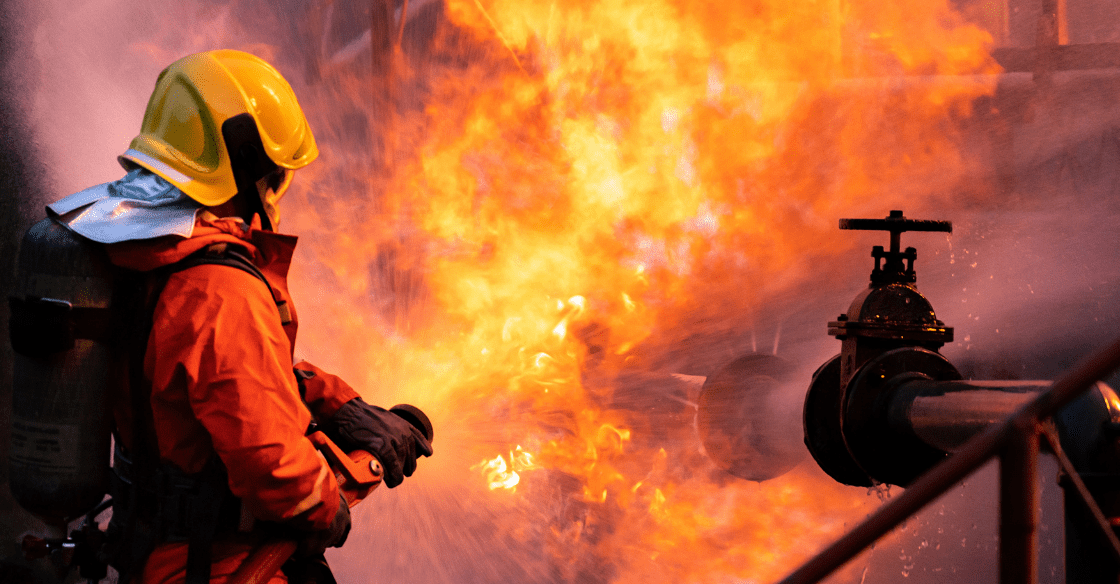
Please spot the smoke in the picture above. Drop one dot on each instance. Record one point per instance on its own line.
(89, 90)
(1028, 279)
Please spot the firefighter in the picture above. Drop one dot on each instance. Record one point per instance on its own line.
(211, 418)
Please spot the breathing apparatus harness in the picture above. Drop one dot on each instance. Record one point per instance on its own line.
(155, 502)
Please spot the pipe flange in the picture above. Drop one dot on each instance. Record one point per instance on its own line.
(887, 455)
(824, 435)
(746, 419)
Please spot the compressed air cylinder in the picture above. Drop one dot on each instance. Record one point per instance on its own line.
(60, 330)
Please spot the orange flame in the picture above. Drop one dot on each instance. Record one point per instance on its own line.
(588, 183)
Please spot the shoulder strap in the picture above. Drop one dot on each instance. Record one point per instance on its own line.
(223, 254)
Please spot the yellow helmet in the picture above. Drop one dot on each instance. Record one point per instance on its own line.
(184, 134)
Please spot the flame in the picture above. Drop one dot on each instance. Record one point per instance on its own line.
(498, 473)
(577, 187)
(502, 475)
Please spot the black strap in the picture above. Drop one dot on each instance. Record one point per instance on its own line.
(40, 327)
(135, 499)
(205, 519)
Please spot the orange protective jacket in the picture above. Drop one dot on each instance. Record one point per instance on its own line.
(220, 366)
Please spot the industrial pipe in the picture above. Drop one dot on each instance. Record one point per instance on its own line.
(946, 414)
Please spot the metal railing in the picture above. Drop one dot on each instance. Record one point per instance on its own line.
(1016, 443)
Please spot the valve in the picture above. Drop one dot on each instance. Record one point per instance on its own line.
(891, 313)
(891, 317)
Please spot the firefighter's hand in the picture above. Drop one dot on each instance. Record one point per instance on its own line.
(315, 543)
(395, 442)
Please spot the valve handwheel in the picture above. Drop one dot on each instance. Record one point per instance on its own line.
(896, 223)
(899, 265)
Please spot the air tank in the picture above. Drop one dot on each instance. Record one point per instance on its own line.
(61, 331)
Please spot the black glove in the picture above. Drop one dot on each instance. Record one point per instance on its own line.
(389, 437)
(315, 543)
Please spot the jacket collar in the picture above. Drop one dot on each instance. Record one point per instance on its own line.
(271, 252)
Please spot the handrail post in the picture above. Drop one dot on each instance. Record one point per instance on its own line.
(1019, 506)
